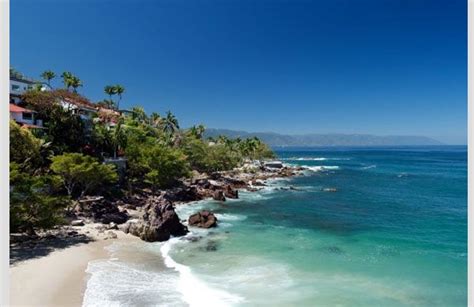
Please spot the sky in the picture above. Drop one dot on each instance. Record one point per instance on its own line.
(383, 67)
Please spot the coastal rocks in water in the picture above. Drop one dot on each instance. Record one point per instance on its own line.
(218, 195)
(231, 193)
(273, 164)
(77, 223)
(203, 219)
(189, 193)
(159, 222)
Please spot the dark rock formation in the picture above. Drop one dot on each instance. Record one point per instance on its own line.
(102, 211)
(229, 192)
(218, 195)
(184, 194)
(159, 222)
(203, 219)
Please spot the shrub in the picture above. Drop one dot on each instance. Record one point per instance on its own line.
(32, 201)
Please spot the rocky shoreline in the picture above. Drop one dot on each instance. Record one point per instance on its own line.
(151, 216)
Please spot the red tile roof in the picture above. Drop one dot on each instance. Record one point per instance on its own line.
(16, 109)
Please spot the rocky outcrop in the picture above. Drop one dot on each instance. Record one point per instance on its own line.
(229, 192)
(183, 194)
(102, 211)
(159, 222)
(203, 219)
(218, 195)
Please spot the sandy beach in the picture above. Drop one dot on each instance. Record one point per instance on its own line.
(59, 278)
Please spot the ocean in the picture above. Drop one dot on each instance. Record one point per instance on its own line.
(393, 233)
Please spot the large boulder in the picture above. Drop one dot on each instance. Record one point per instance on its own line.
(159, 222)
(218, 195)
(229, 192)
(203, 219)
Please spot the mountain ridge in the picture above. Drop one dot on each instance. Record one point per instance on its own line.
(330, 139)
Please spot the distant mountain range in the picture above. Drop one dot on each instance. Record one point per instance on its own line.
(275, 139)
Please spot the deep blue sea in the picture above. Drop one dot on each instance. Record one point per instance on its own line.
(393, 234)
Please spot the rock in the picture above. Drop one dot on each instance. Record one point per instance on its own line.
(230, 193)
(72, 233)
(21, 237)
(218, 195)
(159, 222)
(77, 223)
(105, 212)
(112, 225)
(258, 183)
(273, 164)
(203, 219)
(189, 193)
(117, 218)
(111, 235)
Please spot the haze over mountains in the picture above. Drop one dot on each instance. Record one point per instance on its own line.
(275, 139)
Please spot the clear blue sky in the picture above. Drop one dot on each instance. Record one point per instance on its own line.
(385, 67)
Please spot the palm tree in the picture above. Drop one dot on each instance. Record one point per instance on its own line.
(110, 90)
(155, 119)
(197, 131)
(170, 124)
(138, 113)
(67, 79)
(75, 83)
(48, 75)
(119, 90)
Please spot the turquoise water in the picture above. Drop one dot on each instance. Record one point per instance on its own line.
(394, 234)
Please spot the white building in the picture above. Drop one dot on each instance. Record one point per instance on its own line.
(18, 86)
(25, 117)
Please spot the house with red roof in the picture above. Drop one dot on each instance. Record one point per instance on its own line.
(25, 117)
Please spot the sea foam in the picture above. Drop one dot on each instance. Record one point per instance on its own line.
(195, 291)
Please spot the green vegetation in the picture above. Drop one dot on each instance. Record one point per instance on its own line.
(55, 166)
(81, 174)
(33, 201)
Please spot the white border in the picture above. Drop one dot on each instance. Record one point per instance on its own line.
(4, 161)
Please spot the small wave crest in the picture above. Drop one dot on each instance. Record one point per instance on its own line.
(369, 166)
(194, 289)
(320, 168)
(314, 159)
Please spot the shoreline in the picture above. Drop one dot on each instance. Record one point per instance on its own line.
(65, 264)
(59, 278)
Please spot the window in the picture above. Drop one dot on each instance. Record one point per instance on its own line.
(27, 116)
(15, 87)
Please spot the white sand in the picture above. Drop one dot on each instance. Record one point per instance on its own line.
(58, 279)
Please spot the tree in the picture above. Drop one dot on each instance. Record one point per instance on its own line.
(155, 120)
(65, 130)
(67, 79)
(75, 83)
(138, 114)
(82, 174)
(119, 90)
(110, 90)
(15, 73)
(24, 148)
(33, 203)
(170, 123)
(157, 165)
(197, 131)
(48, 75)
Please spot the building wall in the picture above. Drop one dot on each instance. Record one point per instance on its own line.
(18, 87)
(19, 117)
